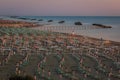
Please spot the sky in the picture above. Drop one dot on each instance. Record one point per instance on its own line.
(60, 7)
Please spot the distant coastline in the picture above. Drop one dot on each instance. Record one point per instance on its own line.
(108, 34)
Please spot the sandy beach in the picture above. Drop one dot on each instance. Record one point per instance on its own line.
(13, 23)
(59, 40)
(53, 53)
(70, 30)
(48, 28)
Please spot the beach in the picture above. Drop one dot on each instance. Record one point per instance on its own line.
(59, 40)
(57, 53)
(87, 28)
(13, 23)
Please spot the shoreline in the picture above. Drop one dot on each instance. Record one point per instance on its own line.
(13, 23)
(58, 29)
(69, 31)
(25, 46)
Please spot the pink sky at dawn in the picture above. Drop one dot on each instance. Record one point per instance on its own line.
(60, 7)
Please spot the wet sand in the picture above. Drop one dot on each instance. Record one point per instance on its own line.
(71, 30)
(59, 29)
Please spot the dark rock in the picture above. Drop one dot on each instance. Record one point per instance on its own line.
(13, 16)
(50, 20)
(22, 18)
(78, 23)
(40, 20)
(33, 19)
(102, 26)
(61, 21)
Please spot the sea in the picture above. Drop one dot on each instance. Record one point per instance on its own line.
(107, 34)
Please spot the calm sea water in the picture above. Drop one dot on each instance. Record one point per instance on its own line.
(109, 34)
(69, 20)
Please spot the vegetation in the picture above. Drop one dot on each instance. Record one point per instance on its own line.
(55, 56)
(18, 77)
(20, 31)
